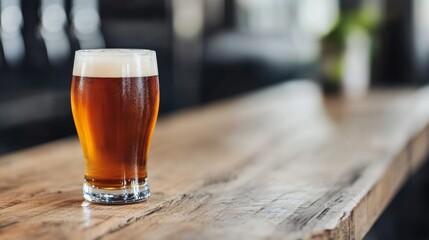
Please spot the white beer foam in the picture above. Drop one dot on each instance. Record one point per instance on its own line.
(115, 63)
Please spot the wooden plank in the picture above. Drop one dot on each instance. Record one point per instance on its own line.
(280, 163)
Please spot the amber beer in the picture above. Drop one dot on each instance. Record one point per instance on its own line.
(115, 100)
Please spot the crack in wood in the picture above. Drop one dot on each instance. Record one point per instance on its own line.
(323, 213)
(203, 199)
(5, 225)
(226, 178)
(343, 216)
(68, 203)
(99, 222)
(308, 215)
(152, 211)
(10, 204)
(128, 222)
(36, 193)
(271, 202)
(130, 219)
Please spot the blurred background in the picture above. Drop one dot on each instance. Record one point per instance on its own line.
(207, 50)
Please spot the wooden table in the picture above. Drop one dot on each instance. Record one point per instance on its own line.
(280, 163)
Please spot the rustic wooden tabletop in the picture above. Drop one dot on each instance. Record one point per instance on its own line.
(279, 163)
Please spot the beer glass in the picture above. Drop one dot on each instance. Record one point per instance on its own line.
(115, 100)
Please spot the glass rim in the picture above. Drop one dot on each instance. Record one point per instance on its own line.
(115, 52)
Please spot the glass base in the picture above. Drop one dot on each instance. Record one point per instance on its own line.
(137, 193)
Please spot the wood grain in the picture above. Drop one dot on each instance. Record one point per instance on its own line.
(282, 163)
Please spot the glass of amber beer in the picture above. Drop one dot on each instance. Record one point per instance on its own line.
(115, 100)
